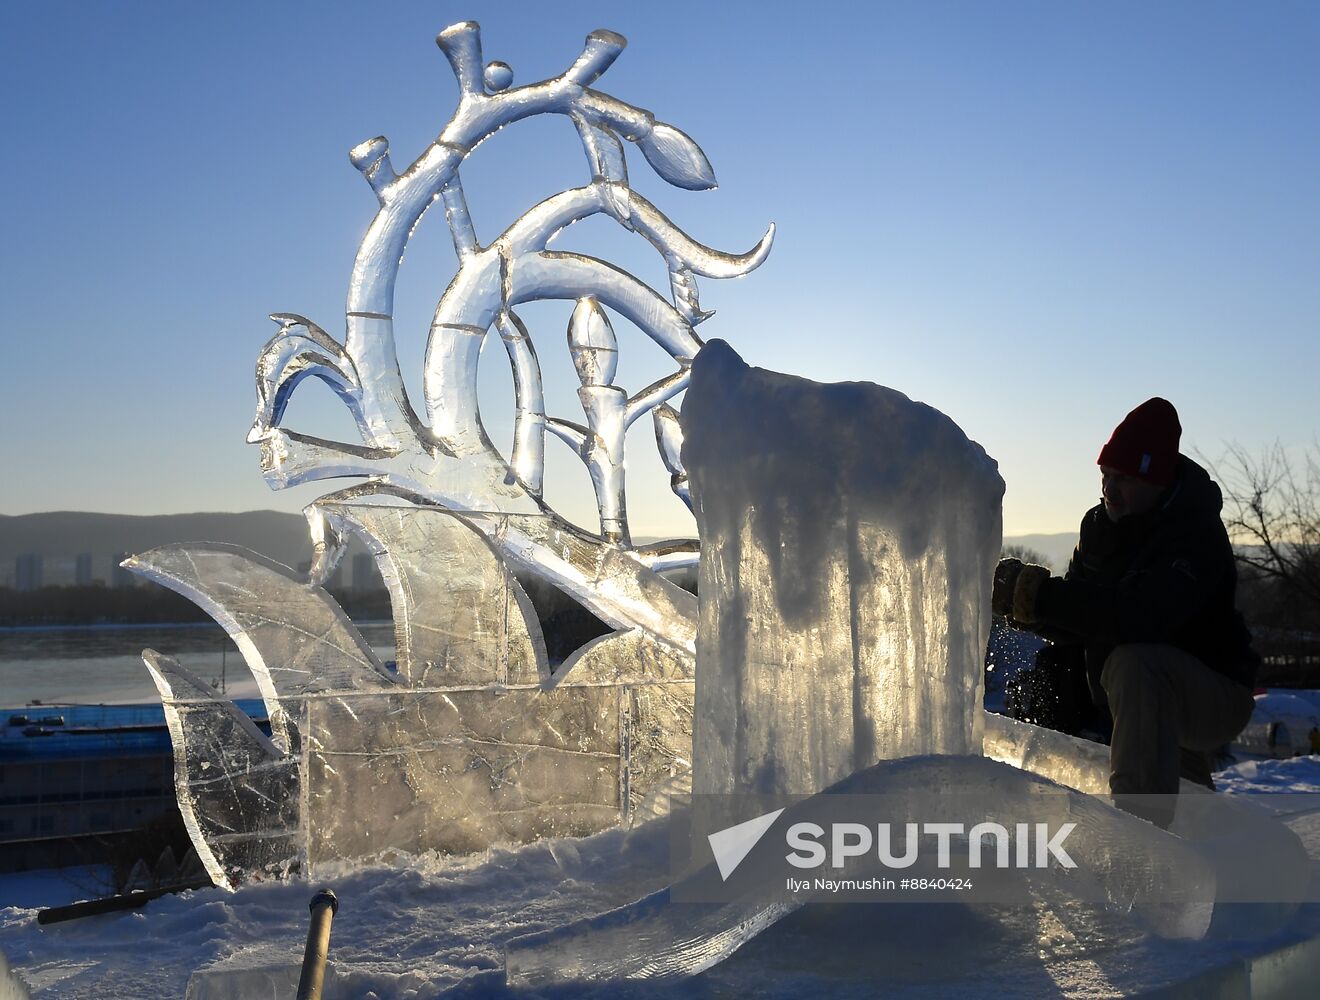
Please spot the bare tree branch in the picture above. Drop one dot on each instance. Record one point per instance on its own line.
(1272, 513)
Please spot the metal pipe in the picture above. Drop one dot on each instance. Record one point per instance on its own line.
(109, 904)
(324, 906)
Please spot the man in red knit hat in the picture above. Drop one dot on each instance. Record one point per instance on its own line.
(1149, 601)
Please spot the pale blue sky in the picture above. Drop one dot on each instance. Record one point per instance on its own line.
(1030, 215)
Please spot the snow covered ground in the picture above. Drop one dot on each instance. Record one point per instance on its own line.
(428, 927)
(1300, 774)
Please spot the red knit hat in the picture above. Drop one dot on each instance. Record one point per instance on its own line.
(1145, 444)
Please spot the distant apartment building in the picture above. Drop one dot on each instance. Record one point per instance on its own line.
(336, 581)
(120, 577)
(82, 569)
(28, 571)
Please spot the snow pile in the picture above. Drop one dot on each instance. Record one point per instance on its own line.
(1282, 724)
(1298, 775)
(408, 929)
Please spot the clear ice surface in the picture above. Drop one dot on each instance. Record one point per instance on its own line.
(1129, 865)
(458, 619)
(294, 637)
(1256, 859)
(848, 540)
(1069, 760)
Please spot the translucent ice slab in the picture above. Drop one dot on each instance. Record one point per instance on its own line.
(1077, 763)
(849, 536)
(238, 792)
(1069, 760)
(460, 616)
(293, 636)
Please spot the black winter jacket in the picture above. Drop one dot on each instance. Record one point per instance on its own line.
(1166, 576)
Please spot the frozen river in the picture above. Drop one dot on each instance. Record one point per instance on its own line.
(102, 665)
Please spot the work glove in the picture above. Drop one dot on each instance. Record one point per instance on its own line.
(1016, 585)
(1001, 594)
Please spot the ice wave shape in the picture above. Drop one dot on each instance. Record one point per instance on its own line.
(469, 741)
(845, 577)
(239, 794)
(469, 738)
(1261, 868)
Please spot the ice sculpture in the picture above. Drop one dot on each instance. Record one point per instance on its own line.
(470, 741)
(849, 538)
(844, 577)
(1256, 860)
(469, 738)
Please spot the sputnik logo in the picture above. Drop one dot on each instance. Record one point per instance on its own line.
(734, 843)
(850, 840)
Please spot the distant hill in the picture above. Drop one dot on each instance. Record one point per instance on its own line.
(1057, 549)
(60, 536)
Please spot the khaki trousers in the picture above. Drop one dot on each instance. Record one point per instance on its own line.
(1164, 702)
